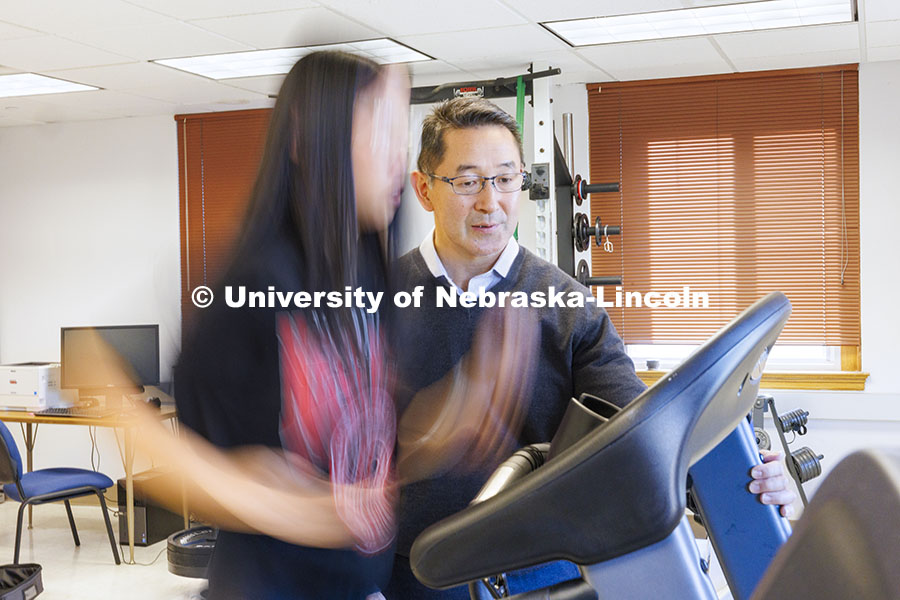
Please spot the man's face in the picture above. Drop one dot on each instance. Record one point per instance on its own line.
(472, 228)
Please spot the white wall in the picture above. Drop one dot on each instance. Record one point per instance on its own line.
(88, 236)
(841, 422)
(879, 156)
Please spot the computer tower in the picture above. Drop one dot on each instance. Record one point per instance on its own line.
(152, 523)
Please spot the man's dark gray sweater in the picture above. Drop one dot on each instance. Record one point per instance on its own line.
(580, 351)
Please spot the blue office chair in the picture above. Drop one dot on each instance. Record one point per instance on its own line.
(49, 485)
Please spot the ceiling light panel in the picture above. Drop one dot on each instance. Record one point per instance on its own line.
(238, 64)
(30, 84)
(279, 61)
(728, 18)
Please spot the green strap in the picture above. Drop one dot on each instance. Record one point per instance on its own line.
(520, 102)
(520, 119)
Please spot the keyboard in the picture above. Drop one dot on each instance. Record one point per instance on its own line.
(93, 412)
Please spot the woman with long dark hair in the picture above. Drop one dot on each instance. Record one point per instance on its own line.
(292, 437)
(309, 381)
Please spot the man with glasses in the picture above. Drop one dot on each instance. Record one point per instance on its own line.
(470, 174)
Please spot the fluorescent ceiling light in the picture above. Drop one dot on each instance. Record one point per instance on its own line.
(280, 61)
(30, 84)
(726, 18)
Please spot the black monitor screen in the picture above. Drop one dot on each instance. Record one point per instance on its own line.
(109, 357)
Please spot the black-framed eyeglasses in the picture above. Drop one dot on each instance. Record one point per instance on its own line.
(468, 185)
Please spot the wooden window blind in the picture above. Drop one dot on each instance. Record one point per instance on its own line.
(218, 157)
(736, 186)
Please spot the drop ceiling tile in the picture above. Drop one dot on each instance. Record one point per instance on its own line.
(128, 76)
(586, 76)
(559, 10)
(208, 9)
(667, 71)
(506, 66)
(883, 33)
(415, 17)
(796, 40)
(289, 28)
(881, 10)
(796, 61)
(883, 53)
(431, 67)
(436, 79)
(47, 53)
(521, 40)
(246, 104)
(113, 103)
(166, 39)
(198, 91)
(659, 58)
(14, 32)
(492, 68)
(53, 16)
(266, 84)
(436, 73)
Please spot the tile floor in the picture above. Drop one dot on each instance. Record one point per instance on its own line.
(87, 572)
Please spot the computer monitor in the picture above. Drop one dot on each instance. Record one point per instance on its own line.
(110, 360)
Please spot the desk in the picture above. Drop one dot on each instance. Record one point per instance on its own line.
(32, 420)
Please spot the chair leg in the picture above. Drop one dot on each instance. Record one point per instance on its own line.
(72, 523)
(109, 531)
(19, 533)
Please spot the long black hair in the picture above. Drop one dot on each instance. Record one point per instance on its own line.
(304, 187)
(305, 178)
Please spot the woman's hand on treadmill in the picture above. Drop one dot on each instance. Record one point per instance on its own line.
(771, 483)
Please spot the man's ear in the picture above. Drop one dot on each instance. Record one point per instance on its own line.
(420, 183)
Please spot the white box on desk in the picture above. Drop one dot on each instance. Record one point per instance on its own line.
(32, 386)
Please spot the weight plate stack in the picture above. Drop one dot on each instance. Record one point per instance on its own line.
(189, 551)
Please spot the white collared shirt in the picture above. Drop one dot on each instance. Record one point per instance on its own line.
(479, 283)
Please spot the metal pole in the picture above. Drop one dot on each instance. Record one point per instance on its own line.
(543, 153)
(568, 142)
